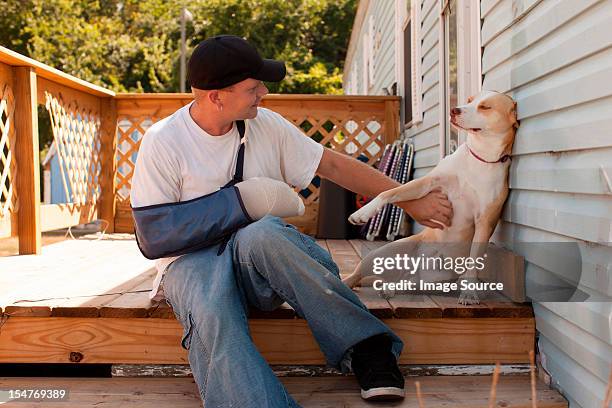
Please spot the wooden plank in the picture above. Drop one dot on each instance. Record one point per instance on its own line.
(310, 392)
(119, 270)
(451, 307)
(344, 255)
(108, 140)
(323, 107)
(465, 341)
(284, 311)
(35, 280)
(360, 248)
(391, 125)
(270, 97)
(505, 267)
(498, 306)
(135, 302)
(27, 157)
(98, 284)
(437, 392)
(364, 247)
(156, 108)
(68, 95)
(323, 244)
(28, 311)
(184, 370)
(281, 341)
(78, 275)
(378, 306)
(414, 307)
(15, 59)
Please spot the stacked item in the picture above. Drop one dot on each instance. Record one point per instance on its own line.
(396, 162)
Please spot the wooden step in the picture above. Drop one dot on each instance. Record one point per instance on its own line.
(512, 391)
(87, 301)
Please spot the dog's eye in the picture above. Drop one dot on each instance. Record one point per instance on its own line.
(483, 107)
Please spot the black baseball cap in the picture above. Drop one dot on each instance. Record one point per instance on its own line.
(224, 60)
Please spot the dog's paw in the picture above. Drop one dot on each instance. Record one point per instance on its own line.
(362, 215)
(468, 297)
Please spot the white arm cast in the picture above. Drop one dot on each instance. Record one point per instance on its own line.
(262, 196)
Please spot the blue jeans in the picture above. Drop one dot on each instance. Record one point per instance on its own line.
(265, 264)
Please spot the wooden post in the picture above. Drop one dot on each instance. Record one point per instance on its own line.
(108, 129)
(391, 121)
(27, 155)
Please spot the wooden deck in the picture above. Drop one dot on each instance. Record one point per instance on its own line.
(329, 392)
(86, 300)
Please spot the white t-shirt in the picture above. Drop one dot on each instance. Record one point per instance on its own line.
(179, 161)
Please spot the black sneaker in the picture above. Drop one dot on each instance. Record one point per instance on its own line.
(376, 370)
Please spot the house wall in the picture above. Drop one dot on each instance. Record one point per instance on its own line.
(555, 58)
(377, 45)
(58, 192)
(426, 134)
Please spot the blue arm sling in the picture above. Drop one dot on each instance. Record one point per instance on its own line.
(173, 229)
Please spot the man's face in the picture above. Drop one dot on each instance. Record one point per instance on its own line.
(244, 97)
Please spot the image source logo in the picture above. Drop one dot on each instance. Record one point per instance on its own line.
(550, 271)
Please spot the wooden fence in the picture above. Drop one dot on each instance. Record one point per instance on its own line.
(83, 135)
(97, 134)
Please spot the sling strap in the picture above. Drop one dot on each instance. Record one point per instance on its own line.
(177, 228)
(240, 159)
(237, 174)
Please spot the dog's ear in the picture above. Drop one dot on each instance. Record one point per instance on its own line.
(513, 117)
(470, 99)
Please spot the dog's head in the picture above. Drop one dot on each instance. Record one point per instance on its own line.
(487, 112)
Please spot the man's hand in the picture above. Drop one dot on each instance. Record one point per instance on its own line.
(434, 206)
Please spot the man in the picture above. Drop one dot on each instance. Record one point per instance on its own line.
(192, 153)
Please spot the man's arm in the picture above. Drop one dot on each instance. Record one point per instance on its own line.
(363, 179)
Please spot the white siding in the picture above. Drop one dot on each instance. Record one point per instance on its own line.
(426, 134)
(555, 58)
(382, 47)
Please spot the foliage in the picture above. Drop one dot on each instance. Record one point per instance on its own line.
(130, 45)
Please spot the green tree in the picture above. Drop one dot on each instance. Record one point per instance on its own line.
(134, 45)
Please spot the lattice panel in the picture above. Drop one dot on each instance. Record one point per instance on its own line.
(130, 131)
(76, 134)
(8, 166)
(352, 135)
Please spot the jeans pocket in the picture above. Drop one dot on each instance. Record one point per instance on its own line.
(187, 332)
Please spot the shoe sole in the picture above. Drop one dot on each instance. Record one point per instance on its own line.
(383, 394)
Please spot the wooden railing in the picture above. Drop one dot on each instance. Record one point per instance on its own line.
(356, 125)
(82, 134)
(97, 136)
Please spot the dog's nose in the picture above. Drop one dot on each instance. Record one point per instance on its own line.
(455, 111)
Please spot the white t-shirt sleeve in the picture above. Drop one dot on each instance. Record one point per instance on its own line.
(156, 177)
(300, 155)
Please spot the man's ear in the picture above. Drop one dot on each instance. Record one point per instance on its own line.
(470, 99)
(214, 97)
